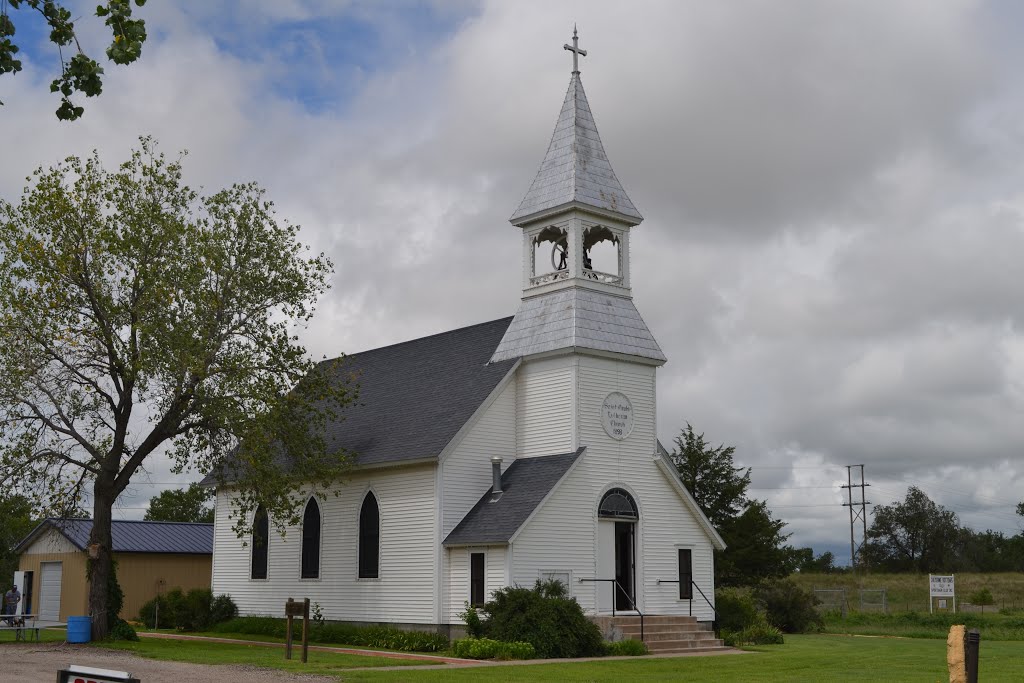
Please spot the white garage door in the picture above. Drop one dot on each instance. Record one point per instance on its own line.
(49, 591)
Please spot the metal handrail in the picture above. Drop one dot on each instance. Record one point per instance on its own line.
(631, 601)
(714, 623)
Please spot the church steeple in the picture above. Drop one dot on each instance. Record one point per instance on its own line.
(576, 168)
(576, 219)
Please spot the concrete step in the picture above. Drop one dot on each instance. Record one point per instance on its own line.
(665, 634)
(660, 646)
(692, 650)
(651, 618)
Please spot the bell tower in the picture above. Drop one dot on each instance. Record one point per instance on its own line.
(576, 220)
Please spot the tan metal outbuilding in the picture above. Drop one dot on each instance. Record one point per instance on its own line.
(151, 557)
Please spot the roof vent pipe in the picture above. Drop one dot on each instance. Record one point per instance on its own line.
(496, 474)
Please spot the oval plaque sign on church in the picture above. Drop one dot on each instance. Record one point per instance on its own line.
(617, 415)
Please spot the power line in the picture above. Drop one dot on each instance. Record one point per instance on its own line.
(862, 515)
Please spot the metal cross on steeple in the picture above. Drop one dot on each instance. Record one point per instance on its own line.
(575, 50)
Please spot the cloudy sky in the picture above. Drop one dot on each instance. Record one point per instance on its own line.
(832, 193)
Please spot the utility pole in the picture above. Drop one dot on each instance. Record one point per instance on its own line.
(861, 514)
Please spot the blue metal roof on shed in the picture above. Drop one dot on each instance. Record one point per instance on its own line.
(132, 536)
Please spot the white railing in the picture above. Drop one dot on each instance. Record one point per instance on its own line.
(557, 275)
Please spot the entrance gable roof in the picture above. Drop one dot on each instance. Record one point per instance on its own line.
(525, 485)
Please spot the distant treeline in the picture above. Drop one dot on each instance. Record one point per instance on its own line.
(918, 535)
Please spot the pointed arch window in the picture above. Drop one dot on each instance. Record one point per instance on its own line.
(260, 543)
(618, 504)
(311, 540)
(369, 538)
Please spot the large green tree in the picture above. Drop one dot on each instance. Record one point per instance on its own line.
(915, 534)
(756, 547)
(16, 520)
(139, 318)
(182, 505)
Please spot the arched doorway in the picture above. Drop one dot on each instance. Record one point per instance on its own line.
(617, 517)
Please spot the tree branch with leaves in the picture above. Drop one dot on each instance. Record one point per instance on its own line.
(137, 319)
(79, 72)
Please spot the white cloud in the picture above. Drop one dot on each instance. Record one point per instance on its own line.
(833, 223)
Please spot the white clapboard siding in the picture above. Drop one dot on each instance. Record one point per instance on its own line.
(466, 470)
(563, 534)
(545, 406)
(404, 592)
(51, 541)
(495, 576)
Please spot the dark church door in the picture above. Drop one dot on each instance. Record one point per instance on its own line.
(625, 557)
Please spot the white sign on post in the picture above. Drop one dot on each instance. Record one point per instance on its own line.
(941, 587)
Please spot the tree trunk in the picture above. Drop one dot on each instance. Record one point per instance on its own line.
(100, 560)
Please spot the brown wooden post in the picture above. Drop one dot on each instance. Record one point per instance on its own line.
(305, 629)
(288, 630)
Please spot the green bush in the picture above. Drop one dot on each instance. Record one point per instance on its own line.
(222, 608)
(625, 648)
(196, 610)
(474, 625)
(545, 617)
(789, 607)
(982, 598)
(485, 648)
(122, 630)
(759, 633)
(736, 609)
(341, 634)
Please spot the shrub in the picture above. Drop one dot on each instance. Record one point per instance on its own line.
(626, 648)
(485, 648)
(545, 617)
(736, 609)
(789, 607)
(122, 630)
(196, 610)
(222, 608)
(474, 625)
(760, 633)
(383, 637)
(982, 597)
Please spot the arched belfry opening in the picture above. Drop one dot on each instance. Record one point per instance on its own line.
(602, 254)
(551, 258)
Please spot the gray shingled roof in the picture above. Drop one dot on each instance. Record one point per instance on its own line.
(415, 396)
(576, 168)
(578, 318)
(132, 536)
(495, 519)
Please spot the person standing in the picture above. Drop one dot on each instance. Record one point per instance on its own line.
(11, 600)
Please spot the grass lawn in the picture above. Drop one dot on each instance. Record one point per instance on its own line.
(46, 635)
(200, 652)
(810, 659)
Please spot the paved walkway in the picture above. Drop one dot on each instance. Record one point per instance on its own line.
(438, 662)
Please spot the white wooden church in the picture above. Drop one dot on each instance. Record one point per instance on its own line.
(504, 452)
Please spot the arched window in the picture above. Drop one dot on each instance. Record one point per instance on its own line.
(311, 541)
(369, 538)
(260, 542)
(618, 504)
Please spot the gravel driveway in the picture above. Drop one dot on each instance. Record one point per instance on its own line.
(40, 662)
